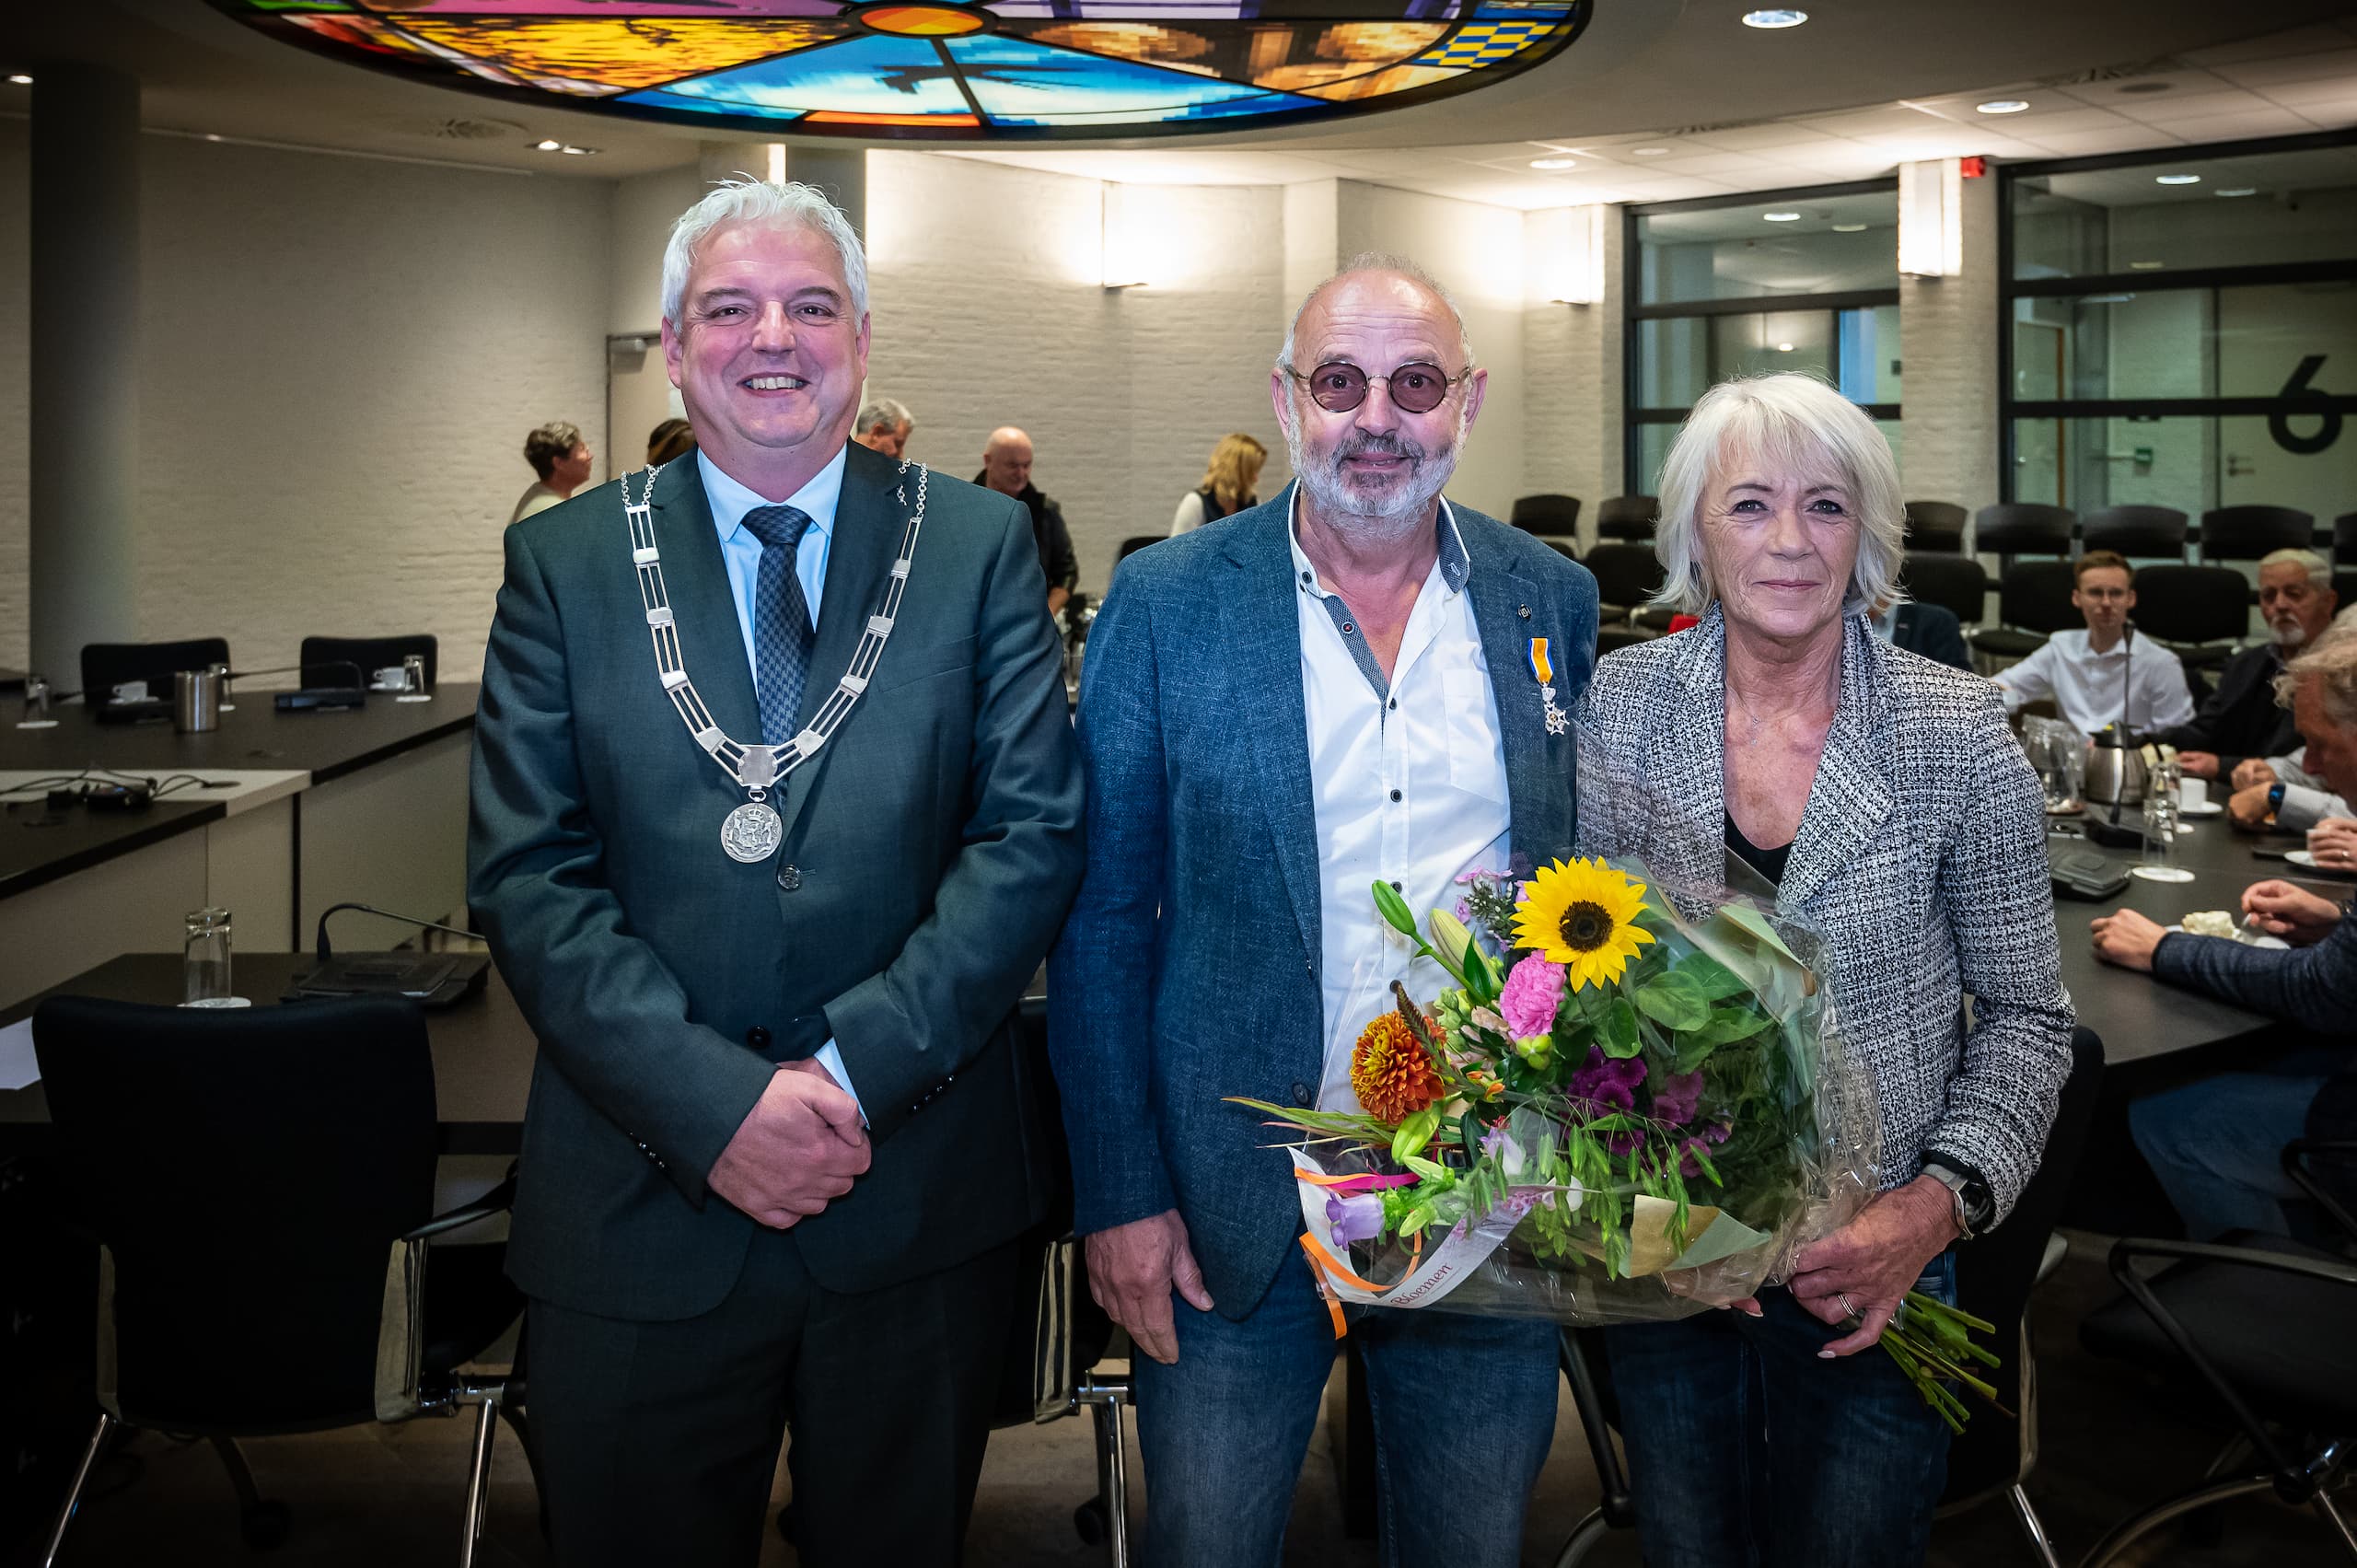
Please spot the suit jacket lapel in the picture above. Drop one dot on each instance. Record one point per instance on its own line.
(869, 525)
(695, 579)
(1852, 794)
(1499, 597)
(1263, 642)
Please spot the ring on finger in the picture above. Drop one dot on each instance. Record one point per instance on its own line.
(1842, 1297)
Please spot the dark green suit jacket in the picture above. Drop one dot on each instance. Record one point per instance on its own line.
(934, 844)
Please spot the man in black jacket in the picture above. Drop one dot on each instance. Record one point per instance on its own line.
(2241, 718)
(1006, 468)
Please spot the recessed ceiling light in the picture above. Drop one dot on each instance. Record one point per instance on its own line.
(2145, 266)
(212, 135)
(1554, 163)
(1783, 348)
(2177, 180)
(2106, 300)
(1777, 18)
(1647, 151)
(2244, 191)
(2001, 106)
(580, 152)
(1781, 217)
(1849, 229)
(548, 146)
(21, 79)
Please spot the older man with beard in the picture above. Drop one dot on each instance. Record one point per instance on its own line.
(1356, 681)
(2241, 722)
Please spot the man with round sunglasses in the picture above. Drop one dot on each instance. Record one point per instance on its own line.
(1357, 681)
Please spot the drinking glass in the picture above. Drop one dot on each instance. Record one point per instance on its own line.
(2160, 841)
(206, 962)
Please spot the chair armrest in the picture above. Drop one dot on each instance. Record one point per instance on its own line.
(2295, 1164)
(498, 1200)
(2129, 1248)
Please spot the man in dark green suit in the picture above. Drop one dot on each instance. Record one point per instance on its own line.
(779, 1146)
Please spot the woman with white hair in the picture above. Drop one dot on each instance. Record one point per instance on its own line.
(1885, 798)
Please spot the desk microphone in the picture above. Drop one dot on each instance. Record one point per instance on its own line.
(325, 954)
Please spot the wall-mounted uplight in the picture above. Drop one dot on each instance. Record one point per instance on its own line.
(1569, 250)
(1781, 217)
(1128, 244)
(1774, 18)
(2177, 180)
(1931, 218)
(2001, 106)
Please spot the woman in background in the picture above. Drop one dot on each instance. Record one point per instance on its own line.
(1228, 484)
(673, 438)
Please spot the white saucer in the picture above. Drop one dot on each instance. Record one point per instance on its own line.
(2207, 808)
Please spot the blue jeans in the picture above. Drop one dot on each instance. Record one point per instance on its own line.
(2216, 1144)
(1747, 1451)
(1464, 1409)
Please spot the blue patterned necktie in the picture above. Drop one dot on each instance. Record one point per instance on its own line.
(783, 636)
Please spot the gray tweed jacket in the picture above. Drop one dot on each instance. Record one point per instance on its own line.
(1921, 855)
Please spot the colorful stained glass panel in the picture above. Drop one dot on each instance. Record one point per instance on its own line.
(874, 74)
(619, 55)
(1018, 82)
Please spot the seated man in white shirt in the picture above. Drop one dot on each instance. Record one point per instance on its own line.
(2106, 674)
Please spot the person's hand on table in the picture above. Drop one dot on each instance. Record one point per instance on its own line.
(2198, 764)
(796, 1151)
(2248, 809)
(1867, 1266)
(2127, 938)
(2334, 844)
(2252, 770)
(2293, 913)
(1133, 1268)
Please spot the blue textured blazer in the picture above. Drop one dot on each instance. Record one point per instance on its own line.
(1188, 970)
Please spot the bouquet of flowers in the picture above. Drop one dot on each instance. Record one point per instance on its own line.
(1630, 1105)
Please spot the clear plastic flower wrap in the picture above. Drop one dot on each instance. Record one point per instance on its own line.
(1631, 1106)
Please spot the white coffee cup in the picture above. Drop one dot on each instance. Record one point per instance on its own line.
(2192, 792)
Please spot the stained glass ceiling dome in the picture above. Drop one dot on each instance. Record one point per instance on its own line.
(1001, 70)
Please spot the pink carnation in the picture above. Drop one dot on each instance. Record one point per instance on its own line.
(1533, 990)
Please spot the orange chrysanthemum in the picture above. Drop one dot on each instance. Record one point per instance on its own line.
(1390, 1070)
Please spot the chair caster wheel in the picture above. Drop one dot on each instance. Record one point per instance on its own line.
(265, 1525)
(1089, 1522)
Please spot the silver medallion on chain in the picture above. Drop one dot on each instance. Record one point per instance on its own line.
(752, 832)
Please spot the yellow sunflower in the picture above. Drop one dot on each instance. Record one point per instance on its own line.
(1582, 916)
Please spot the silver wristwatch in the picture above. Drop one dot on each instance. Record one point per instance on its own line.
(1969, 1193)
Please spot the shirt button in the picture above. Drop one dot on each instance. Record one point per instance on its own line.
(1395, 702)
(758, 1038)
(1395, 795)
(1348, 628)
(1397, 889)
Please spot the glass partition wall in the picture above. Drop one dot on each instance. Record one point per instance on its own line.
(2182, 327)
(1792, 280)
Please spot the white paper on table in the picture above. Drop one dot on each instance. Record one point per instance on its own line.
(1448, 1266)
(18, 1065)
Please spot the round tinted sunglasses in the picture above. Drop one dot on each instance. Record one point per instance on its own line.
(1415, 387)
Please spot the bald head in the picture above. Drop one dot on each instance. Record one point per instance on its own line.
(1006, 460)
(1392, 283)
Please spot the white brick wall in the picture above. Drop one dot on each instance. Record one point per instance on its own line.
(339, 361)
(1572, 384)
(1948, 330)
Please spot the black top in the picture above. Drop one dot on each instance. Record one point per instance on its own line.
(2241, 718)
(1768, 862)
(1212, 510)
(1057, 559)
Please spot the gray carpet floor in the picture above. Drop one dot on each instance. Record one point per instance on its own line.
(2112, 1441)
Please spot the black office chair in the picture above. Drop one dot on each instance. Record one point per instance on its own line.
(2033, 603)
(1550, 517)
(2246, 533)
(106, 665)
(2344, 584)
(1937, 527)
(1627, 575)
(2135, 531)
(2022, 527)
(2261, 1324)
(330, 661)
(2344, 540)
(1957, 583)
(2201, 613)
(1995, 1273)
(1627, 516)
(260, 1185)
(1136, 542)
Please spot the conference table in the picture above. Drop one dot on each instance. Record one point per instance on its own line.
(273, 815)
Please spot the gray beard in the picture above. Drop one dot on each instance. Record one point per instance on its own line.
(1383, 519)
(2291, 636)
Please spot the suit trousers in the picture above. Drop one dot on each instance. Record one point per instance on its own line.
(659, 1442)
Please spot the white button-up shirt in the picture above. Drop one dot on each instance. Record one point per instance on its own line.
(2135, 681)
(1409, 782)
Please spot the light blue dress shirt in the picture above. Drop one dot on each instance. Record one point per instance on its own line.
(741, 553)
